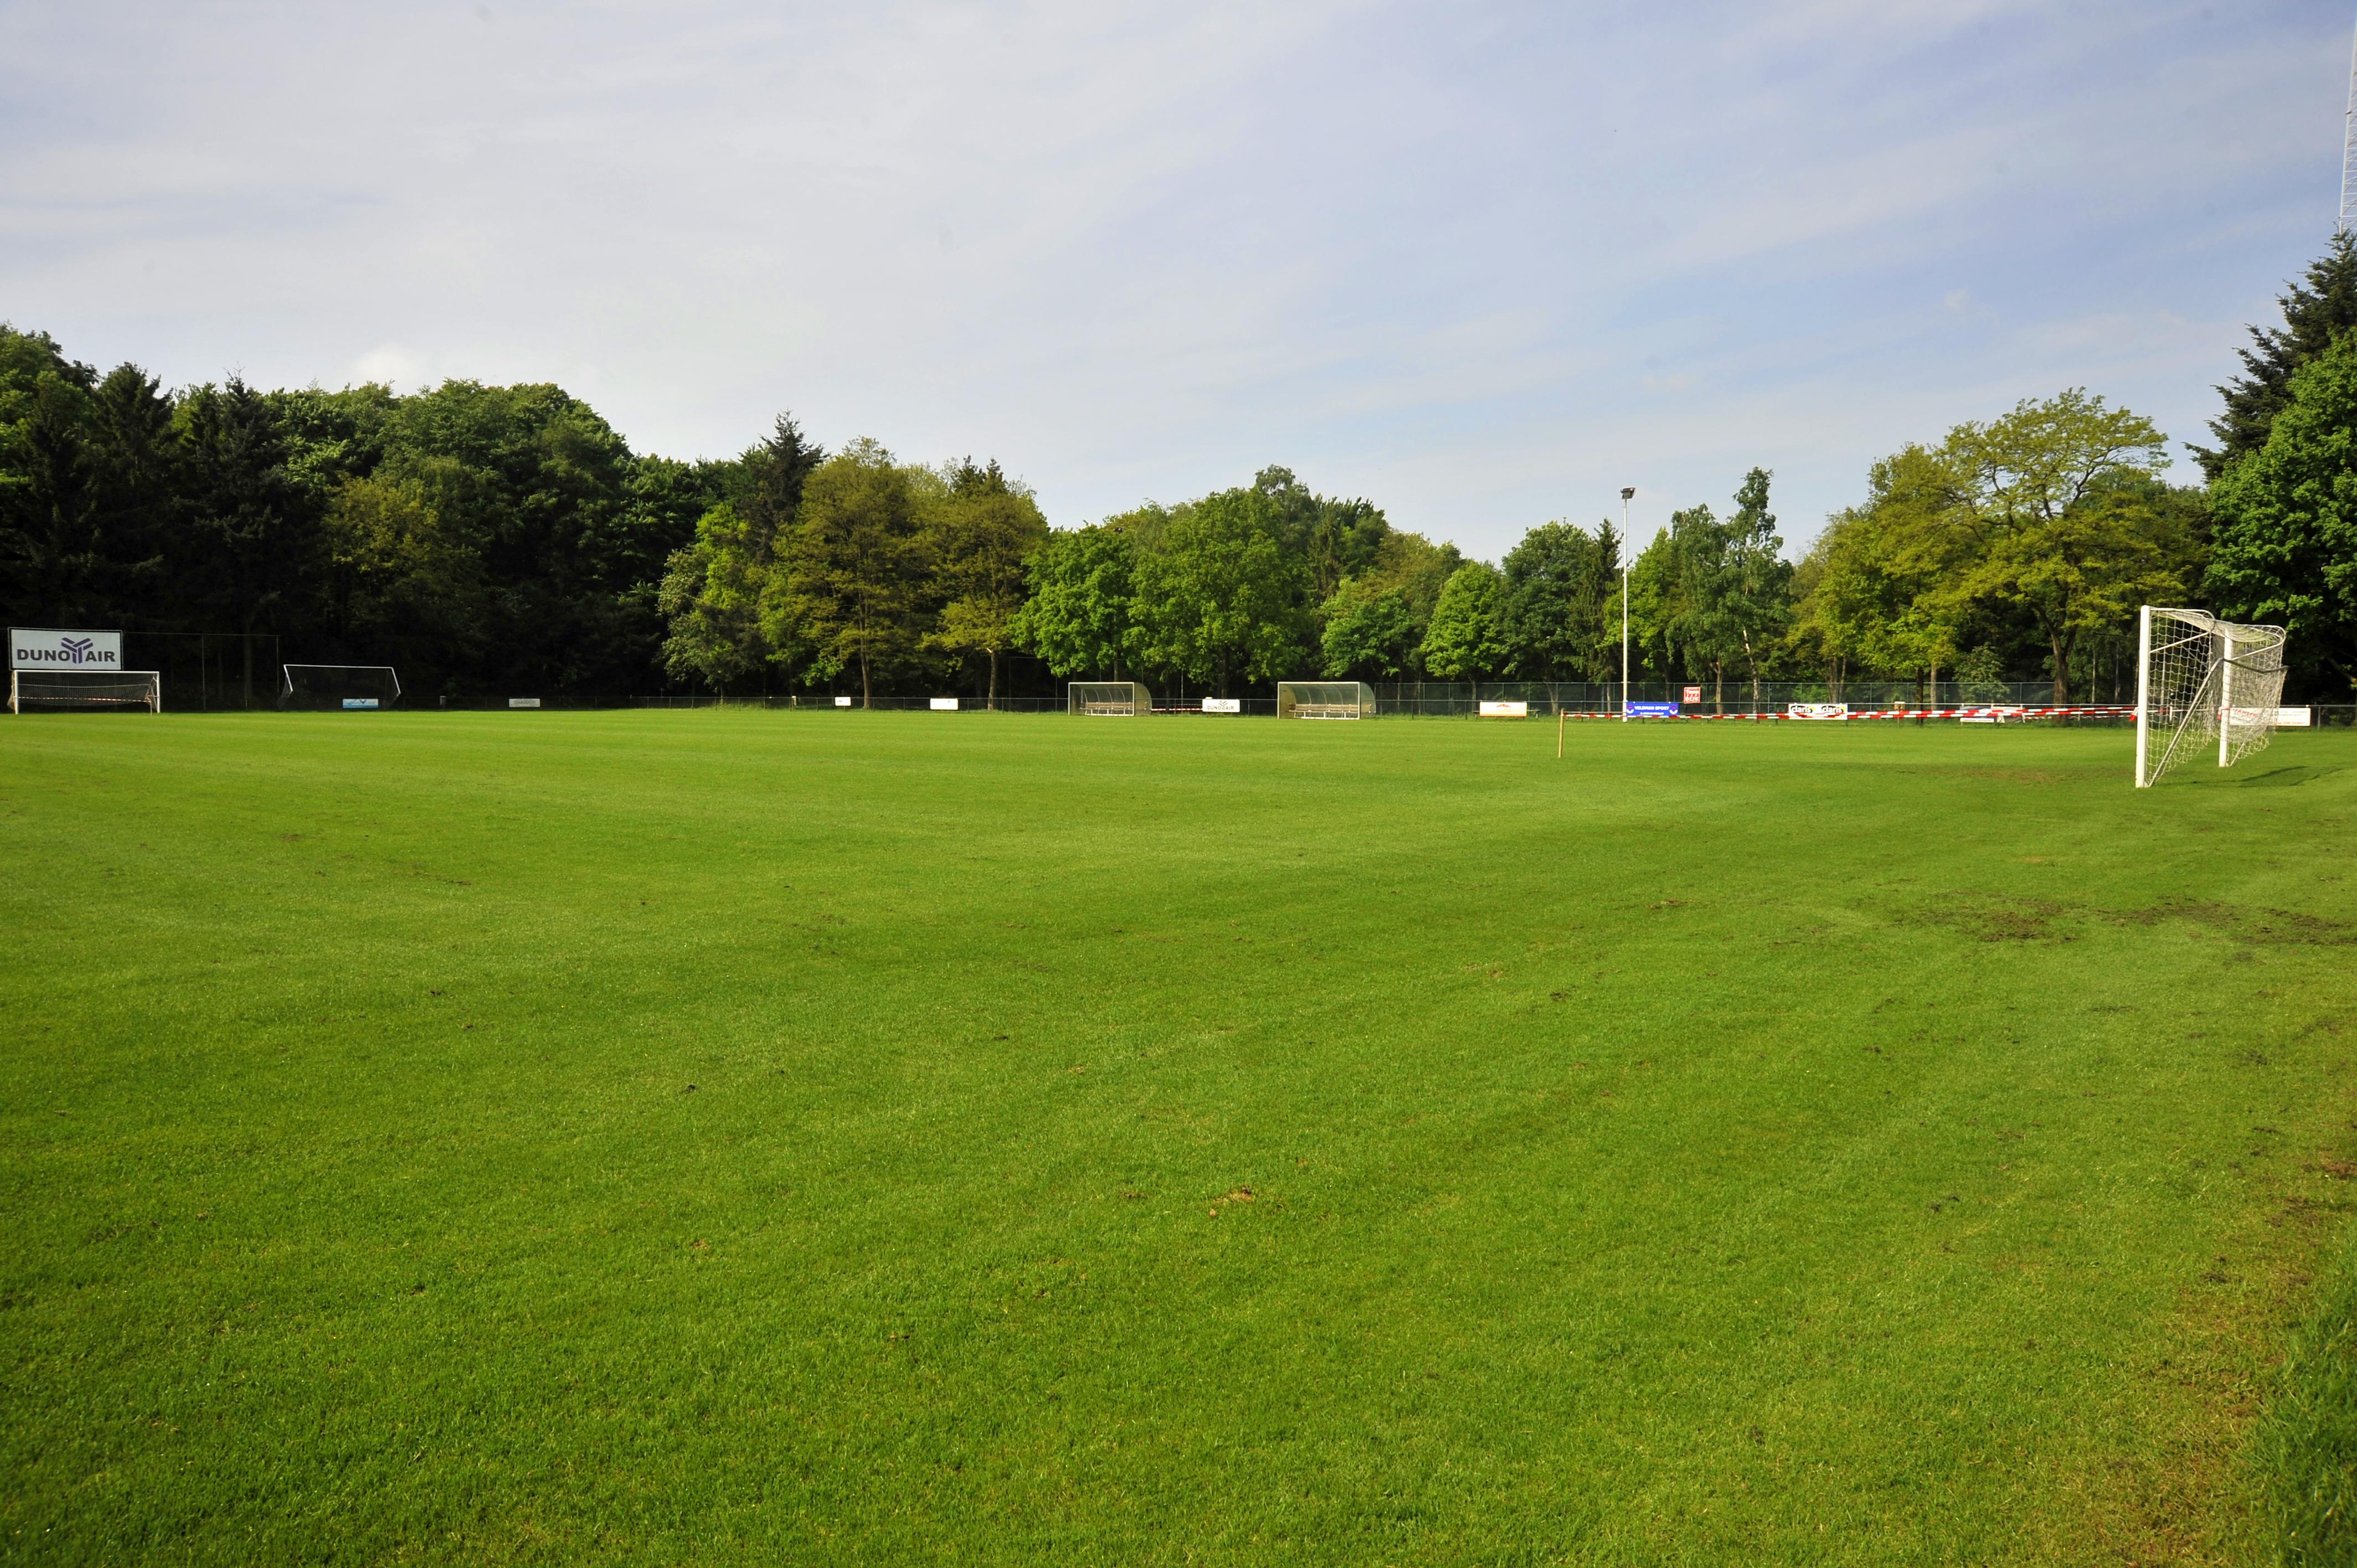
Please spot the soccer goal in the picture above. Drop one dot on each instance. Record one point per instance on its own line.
(359, 686)
(1325, 700)
(2202, 681)
(84, 690)
(1110, 699)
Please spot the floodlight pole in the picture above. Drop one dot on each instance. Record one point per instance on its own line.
(1626, 491)
(2349, 149)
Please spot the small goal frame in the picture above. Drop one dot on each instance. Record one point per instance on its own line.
(25, 687)
(289, 697)
(2200, 679)
(1109, 699)
(1325, 700)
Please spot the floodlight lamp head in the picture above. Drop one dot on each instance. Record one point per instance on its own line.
(1628, 492)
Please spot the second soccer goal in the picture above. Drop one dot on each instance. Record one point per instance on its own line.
(332, 686)
(84, 690)
(2203, 686)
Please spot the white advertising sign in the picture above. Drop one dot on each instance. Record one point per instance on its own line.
(1816, 710)
(945, 705)
(2294, 718)
(1693, 694)
(2282, 718)
(843, 702)
(524, 702)
(1223, 705)
(1505, 710)
(36, 647)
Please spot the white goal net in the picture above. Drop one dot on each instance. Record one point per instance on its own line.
(1324, 700)
(338, 686)
(2203, 684)
(84, 690)
(1110, 699)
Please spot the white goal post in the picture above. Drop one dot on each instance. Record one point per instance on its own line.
(338, 686)
(2199, 680)
(1325, 700)
(84, 690)
(1110, 699)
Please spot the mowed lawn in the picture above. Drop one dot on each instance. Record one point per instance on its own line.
(811, 1137)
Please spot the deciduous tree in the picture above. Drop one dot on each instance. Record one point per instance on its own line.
(854, 567)
(983, 529)
(1465, 641)
(1078, 617)
(1220, 600)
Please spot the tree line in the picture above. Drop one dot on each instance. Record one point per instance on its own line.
(482, 537)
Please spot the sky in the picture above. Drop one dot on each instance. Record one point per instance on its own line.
(1484, 265)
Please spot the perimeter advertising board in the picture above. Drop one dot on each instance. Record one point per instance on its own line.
(1835, 711)
(42, 648)
(1650, 710)
(1223, 705)
(1505, 710)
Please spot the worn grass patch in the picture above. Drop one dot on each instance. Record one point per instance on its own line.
(846, 1138)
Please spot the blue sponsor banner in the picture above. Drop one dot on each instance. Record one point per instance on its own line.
(1650, 710)
(359, 701)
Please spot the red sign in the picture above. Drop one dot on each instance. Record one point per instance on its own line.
(1693, 694)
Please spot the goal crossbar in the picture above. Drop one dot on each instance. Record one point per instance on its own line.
(330, 683)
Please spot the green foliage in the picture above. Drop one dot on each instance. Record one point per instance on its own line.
(487, 536)
(1079, 616)
(1466, 641)
(852, 568)
(2285, 549)
(2051, 519)
(1220, 599)
(398, 581)
(724, 596)
(1709, 597)
(1870, 604)
(1558, 582)
(1370, 632)
(981, 530)
(1334, 538)
(713, 595)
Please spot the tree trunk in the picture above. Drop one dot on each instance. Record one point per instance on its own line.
(864, 699)
(2061, 668)
(992, 701)
(1718, 684)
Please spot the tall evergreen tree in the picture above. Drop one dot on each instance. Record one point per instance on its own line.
(2315, 314)
(2286, 545)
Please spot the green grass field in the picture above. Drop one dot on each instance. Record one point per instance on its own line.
(828, 1138)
